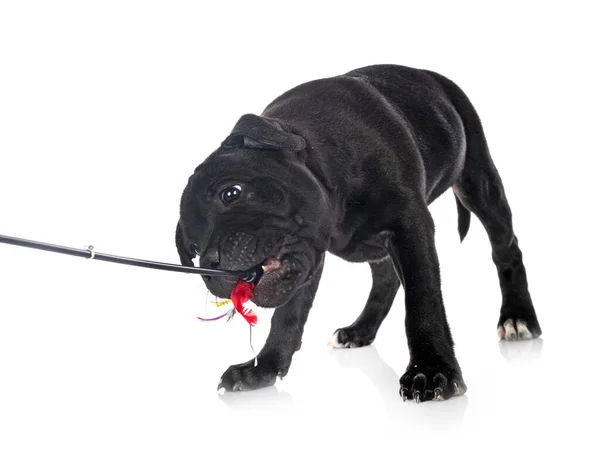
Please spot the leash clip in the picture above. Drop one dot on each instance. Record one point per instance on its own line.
(90, 249)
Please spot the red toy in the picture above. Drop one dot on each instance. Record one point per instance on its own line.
(242, 292)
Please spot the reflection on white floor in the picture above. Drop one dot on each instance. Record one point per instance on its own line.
(363, 404)
(345, 406)
(522, 351)
(384, 409)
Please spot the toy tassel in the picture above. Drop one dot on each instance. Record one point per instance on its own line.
(210, 319)
(253, 351)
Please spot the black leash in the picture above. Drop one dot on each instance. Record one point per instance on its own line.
(250, 275)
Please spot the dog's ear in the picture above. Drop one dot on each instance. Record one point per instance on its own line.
(185, 254)
(258, 132)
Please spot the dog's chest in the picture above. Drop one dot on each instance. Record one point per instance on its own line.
(355, 248)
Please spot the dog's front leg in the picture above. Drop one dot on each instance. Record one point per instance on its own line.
(285, 338)
(433, 371)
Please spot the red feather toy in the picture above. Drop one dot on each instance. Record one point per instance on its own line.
(241, 294)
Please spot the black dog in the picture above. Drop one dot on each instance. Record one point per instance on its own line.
(349, 165)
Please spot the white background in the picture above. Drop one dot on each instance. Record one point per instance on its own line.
(105, 110)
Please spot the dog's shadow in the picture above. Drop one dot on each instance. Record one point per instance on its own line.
(265, 399)
(386, 381)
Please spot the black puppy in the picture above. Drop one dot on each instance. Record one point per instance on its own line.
(349, 165)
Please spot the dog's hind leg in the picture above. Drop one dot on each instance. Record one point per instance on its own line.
(363, 331)
(479, 189)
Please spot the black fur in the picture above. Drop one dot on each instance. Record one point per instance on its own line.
(349, 165)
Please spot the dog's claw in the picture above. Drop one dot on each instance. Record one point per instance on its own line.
(403, 392)
(437, 394)
(417, 397)
(220, 386)
(456, 389)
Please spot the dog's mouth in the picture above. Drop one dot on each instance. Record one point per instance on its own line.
(276, 279)
(266, 270)
(286, 266)
(255, 273)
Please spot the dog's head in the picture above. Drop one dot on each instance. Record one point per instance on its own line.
(253, 202)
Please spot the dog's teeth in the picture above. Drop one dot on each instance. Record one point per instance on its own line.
(271, 264)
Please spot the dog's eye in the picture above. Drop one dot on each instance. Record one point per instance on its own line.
(231, 194)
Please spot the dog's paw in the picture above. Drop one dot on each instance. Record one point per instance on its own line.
(351, 337)
(518, 329)
(423, 383)
(247, 377)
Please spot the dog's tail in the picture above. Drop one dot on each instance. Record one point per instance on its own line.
(464, 219)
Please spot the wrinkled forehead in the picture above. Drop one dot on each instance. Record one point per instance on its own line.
(238, 165)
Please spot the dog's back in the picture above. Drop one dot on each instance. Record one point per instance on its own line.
(405, 112)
